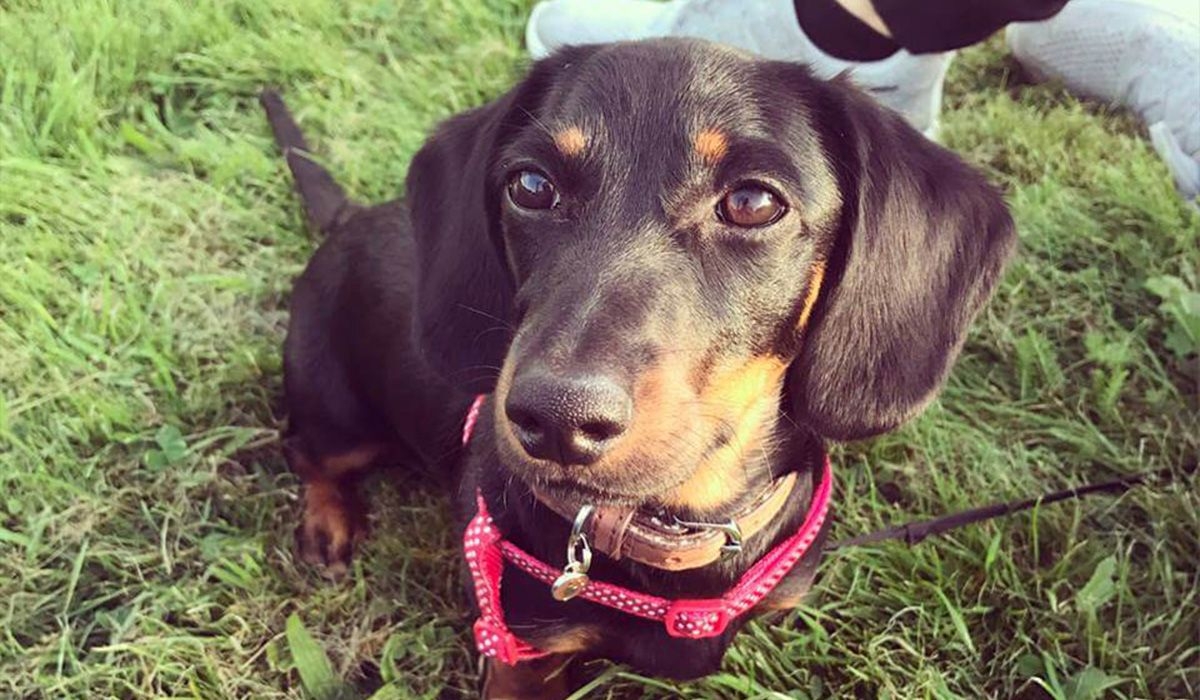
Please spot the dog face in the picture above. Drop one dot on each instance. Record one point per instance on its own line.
(663, 245)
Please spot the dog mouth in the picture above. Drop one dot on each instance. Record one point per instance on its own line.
(641, 482)
(567, 489)
(580, 484)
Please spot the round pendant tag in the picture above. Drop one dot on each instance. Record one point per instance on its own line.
(568, 585)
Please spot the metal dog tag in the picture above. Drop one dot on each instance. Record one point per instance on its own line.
(574, 578)
(569, 584)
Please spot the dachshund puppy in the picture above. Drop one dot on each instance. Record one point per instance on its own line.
(675, 271)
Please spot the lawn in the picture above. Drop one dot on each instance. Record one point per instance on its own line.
(148, 239)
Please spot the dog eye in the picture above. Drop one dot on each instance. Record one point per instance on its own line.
(530, 189)
(750, 205)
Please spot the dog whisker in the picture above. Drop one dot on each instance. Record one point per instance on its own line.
(485, 314)
(492, 329)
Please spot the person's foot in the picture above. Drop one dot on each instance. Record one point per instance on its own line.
(911, 85)
(1143, 54)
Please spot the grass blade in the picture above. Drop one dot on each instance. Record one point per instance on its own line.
(316, 673)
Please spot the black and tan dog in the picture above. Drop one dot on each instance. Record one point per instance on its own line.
(676, 269)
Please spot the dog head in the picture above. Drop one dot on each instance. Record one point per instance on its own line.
(652, 251)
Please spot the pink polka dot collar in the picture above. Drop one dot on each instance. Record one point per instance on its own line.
(486, 552)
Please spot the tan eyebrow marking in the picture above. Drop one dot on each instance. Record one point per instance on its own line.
(710, 145)
(570, 141)
(814, 290)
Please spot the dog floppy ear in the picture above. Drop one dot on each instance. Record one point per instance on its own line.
(464, 295)
(922, 241)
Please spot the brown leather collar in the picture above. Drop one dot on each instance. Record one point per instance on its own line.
(629, 533)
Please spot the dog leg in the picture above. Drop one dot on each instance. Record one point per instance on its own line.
(334, 519)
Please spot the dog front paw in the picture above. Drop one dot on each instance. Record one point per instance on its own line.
(331, 528)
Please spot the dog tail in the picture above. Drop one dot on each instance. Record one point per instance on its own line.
(324, 199)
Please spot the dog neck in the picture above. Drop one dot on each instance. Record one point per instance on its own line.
(543, 532)
(673, 539)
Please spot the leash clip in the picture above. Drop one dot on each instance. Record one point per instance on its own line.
(733, 533)
(574, 578)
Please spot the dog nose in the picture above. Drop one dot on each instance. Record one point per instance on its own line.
(569, 420)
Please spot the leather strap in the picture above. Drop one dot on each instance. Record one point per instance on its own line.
(629, 533)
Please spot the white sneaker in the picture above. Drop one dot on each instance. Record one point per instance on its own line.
(1143, 54)
(909, 84)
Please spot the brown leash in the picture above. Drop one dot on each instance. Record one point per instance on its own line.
(914, 532)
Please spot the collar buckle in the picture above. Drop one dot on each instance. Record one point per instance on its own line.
(730, 528)
(697, 619)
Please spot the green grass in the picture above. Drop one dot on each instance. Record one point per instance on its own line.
(148, 239)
